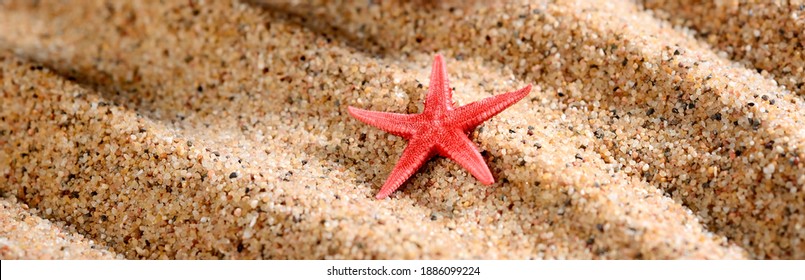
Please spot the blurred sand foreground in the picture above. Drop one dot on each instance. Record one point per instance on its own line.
(218, 129)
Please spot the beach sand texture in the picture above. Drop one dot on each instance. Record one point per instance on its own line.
(219, 129)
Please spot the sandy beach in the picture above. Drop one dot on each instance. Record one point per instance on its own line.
(219, 130)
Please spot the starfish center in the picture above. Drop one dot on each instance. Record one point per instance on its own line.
(438, 123)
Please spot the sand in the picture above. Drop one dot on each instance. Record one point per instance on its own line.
(25, 235)
(219, 130)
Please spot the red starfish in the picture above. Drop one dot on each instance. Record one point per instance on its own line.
(440, 129)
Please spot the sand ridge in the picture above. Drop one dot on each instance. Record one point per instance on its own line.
(24, 234)
(637, 142)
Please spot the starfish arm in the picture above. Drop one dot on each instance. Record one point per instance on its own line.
(417, 152)
(398, 124)
(471, 115)
(439, 96)
(460, 149)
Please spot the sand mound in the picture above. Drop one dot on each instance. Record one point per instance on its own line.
(179, 129)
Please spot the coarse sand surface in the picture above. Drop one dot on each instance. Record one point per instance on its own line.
(219, 129)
